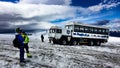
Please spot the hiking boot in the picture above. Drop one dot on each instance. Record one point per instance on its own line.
(23, 61)
(29, 55)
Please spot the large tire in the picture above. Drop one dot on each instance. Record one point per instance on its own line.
(91, 43)
(50, 40)
(54, 41)
(98, 43)
(75, 42)
(63, 42)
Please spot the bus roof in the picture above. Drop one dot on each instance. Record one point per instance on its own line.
(54, 27)
(80, 23)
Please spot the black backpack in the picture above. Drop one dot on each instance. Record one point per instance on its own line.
(16, 43)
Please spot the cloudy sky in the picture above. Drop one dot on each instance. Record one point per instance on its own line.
(41, 14)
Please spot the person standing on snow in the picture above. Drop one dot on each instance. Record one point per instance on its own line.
(26, 41)
(21, 43)
(42, 38)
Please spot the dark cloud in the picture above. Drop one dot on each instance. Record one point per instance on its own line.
(116, 21)
(26, 30)
(18, 17)
(7, 30)
(4, 24)
(48, 2)
(115, 24)
(8, 21)
(12, 17)
(30, 26)
(103, 22)
(58, 2)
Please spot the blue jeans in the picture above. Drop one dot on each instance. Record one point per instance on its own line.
(21, 53)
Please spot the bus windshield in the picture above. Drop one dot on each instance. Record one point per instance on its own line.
(55, 31)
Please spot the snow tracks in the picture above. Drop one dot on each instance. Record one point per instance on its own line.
(46, 55)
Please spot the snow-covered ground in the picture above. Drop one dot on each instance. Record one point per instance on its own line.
(47, 55)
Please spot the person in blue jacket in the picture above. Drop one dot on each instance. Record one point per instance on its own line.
(21, 42)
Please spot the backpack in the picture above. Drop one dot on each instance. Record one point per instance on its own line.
(16, 44)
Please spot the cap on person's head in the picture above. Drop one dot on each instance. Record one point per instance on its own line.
(18, 30)
(24, 32)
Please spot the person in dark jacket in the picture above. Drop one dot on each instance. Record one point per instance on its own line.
(42, 38)
(21, 42)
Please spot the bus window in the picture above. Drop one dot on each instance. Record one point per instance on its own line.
(69, 27)
(76, 28)
(53, 30)
(95, 30)
(103, 30)
(66, 27)
(91, 30)
(81, 28)
(99, 31)
(86, 29)
(58, 31)
(106, 31)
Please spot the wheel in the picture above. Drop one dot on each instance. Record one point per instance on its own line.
(64, 42)
(98, 43)
(54, 41)
(50, 40)
(91, 43)
(74, 42)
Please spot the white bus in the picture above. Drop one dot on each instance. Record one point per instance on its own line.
(76, 33)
